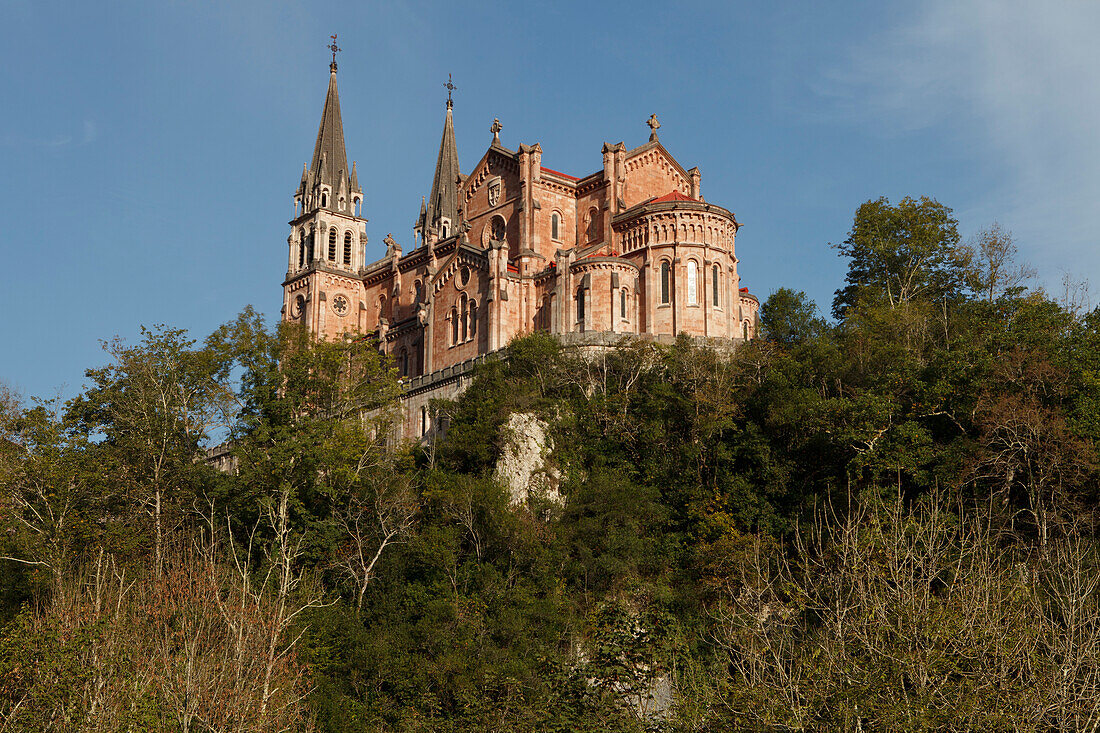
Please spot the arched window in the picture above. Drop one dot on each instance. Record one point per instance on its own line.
(622, 303)
(332, 244)
(693, 283)
(418, 291)
(714, 285)
(347, 248)
(464, 315)
(499, 229)
(423, 421)
(666, 276)
(443, 230)
(301, 247)
(404, 363)
(593, 231)
(555, 226)
(454, 325)
(473, 318)
(324, 198)
(310, 250)
(745, 330)
(381, 307)
(580, 305)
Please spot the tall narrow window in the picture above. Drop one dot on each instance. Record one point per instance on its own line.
(381, 307)
(745, 330)
(665, 277)
(580, 306)
(555, 226)
(301, 247)
(473, 318)
(324, 198)
(454, 325)
(693, 283)
(347, 248)
(464, 314)
(310, 250)
(332, 244)
(593, 231)
(418, 287)
(404, 363)
(622, 303)
(714, 285)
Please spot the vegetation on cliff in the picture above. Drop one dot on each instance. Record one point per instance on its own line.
(883, 522)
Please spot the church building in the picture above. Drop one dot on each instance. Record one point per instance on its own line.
(631, 248)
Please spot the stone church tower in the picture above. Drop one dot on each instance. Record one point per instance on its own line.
(328, 235)
(631, 249)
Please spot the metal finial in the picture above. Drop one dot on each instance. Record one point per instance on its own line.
(450, 88)
(334, 48)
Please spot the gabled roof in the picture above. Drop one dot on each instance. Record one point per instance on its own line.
(559, 173)
(656, 144)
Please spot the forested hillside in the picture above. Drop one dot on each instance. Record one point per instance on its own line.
(883, 521)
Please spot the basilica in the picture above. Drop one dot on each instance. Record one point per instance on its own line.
(631, 248)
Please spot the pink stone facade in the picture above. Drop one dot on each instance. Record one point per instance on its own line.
(629, 248)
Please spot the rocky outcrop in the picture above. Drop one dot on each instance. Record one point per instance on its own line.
(525, 466)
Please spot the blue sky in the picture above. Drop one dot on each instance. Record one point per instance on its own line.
(151, 149)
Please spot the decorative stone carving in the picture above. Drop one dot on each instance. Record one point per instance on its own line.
(654, 125)
(494, 191)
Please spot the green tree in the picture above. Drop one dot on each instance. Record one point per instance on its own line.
(901, 253)
(53, 502)
(149, 413)
(789, 317)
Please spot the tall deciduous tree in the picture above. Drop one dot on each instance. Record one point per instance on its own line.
(994, 267)
(317, 447)
(154, 406)
(901, 253)
(50, 500)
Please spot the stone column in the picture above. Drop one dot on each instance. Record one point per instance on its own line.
(427, 335)
(652, 284)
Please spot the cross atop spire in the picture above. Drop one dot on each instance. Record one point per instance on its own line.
(449, 85)
(334, 48)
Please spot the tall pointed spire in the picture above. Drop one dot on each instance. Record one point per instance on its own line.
(443, 203)
(329, 167)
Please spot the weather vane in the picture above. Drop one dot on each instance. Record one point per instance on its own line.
(449, 85)
(334, 48)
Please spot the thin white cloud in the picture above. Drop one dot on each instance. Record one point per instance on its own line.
(89, 133)
(1018, 84)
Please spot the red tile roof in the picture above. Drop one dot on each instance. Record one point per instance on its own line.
(671, 196)
(559, 173)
